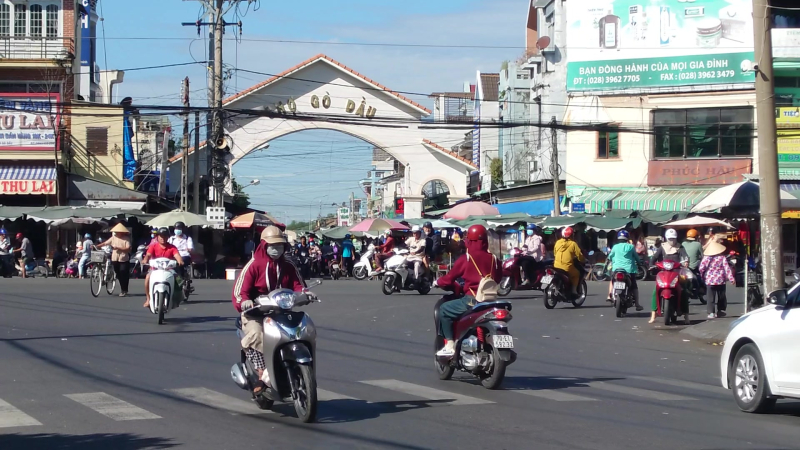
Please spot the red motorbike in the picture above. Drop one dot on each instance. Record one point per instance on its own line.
(483, 345)
(512, 274)
(668, 291)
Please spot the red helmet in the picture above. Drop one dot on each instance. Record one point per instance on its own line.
(567, 232)
(476, 233)
(19, 236)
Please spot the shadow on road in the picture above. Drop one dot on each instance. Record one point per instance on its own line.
(535, 383)
(98, 441)
(786, 409)
(347, 410)
(204, 319)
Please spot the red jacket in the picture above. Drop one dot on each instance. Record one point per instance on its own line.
(387, 246)
(260, 276)
(464, 268)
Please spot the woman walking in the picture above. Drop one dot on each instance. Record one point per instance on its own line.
(715, 269)
(120, 243)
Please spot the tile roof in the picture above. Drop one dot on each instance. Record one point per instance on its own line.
(453, 154)
(490, 83)
(335, 63)
(189, 151)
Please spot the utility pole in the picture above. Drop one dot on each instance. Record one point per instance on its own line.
(771, 248)
(196, 165)
(554, 168)
(185, 158)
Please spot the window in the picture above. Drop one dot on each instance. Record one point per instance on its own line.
(36, 21)
(30, 88)
(20, 21)
(607, 144)
(97, 141)
(52, 21)
(5, 20)
(703, 133)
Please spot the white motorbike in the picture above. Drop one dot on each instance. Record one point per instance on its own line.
(399, 275)
(162, 286)
(363, 267)
(137, 268)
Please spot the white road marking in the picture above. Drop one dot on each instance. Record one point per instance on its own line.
(636, 392)
(557, 395)
(111, 406)
(426, 393)
(325, 396)
(684, 384)
(13, 417)
(217, 400)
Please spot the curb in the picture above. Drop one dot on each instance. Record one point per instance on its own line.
(713, 330)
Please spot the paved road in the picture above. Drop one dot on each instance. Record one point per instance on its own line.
(79, 372)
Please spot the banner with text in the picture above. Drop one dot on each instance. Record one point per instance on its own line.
(624, 44)
(27, 121)
(788, 122)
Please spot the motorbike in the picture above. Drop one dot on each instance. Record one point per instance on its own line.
(484, 347)
(692, 283)
(668, 291)
(622, 293)
(136, 266)
(335, 269)
(556, 286)
(365, 265)
(512, 274)
(399, 275)
(304, 263)
(162, 284)
(68, 268)
(289, 351)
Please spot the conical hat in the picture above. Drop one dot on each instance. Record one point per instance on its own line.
(120, 228)
(714, 249)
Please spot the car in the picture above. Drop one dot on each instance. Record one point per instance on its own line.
(760, 362)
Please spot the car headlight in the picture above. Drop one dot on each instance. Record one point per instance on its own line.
(284, 300)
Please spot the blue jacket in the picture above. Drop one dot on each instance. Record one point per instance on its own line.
(624, 258)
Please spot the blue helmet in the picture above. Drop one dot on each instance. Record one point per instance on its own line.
(623, 235)
(347, 236)
(531, 226)
(3, 231)
(87, 235)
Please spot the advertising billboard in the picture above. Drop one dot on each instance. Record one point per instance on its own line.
(643, 44)
(788, 124)
(27, 121)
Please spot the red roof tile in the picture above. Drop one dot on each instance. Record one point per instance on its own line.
(334, 62)
(448, 152)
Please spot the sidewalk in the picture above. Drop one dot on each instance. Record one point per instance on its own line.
(711, 330)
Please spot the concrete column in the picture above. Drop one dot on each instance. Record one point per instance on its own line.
(412, 206)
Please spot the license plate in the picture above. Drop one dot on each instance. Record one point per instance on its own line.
(503, 341)
(547, 279)
(619, 286)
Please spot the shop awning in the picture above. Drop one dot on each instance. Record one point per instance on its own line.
(595, 201)
(16, 212)
(27, 180)
(668, 200)
(533, 207)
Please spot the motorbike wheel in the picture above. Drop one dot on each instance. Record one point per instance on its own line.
(61, 272)
(187, 290)
(641, 272)
(305, 403)
(668, 309)
(505, 287)
(388, 285)
(494, 380)
(95, 280)
(550, 297)
(445, 371)
(360, 273)
(161, 305)
(582, 292)
(618, 305)
(600, 272)
(425, 287)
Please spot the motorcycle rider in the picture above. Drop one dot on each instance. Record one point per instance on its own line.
(348, 253)
(566, 253)
(383, 252)
(670, 251)
(534, 253)
(478, 264)
(433, 243)
(301, 246)
(266, 271)
(86, 253)
(5, 256)
(624, 258)
(183, 242)
(694, 250)
(161, 249)
(416, 251)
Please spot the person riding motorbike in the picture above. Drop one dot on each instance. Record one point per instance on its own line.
(266, 271)
(416, 251)
(301, 246)
(433, 244)
(348, 254)
(183, 242)
(6, 259)
(86, 253)
(670, 251)
(383, 252)
(161, 249)
(624, 258)
(533, 254)
(694, 251)
(567, 253)
(478, 264)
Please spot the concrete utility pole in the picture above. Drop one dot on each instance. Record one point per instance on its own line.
(554, 168)
(196, 165)
(185, 158)
(771, 248)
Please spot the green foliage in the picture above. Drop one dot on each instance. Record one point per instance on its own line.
(298, 226)
(496, 171)
(240, 198)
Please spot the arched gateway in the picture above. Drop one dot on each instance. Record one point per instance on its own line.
(325, 94)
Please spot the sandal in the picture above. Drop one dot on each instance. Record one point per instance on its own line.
(259, 387)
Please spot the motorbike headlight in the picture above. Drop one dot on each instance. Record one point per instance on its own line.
(284, 300)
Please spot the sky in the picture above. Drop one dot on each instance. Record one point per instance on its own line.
(144, 33)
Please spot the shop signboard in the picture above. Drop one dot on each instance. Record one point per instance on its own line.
(638, 44)
(788, 123)
(27, 187)
(684, 172)
(27, 121)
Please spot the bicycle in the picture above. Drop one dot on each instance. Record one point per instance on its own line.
(101, 272)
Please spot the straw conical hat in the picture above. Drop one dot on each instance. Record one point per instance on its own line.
(714, 249)
(120, 228)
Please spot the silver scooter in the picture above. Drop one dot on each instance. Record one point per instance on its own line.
(289, 350)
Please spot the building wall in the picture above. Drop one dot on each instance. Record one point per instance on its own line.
(104, 168)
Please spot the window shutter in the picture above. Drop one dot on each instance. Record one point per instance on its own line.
(97, 141)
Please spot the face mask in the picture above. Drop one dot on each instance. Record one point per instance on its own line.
(529, 232)
(274, 251)
(178, 232)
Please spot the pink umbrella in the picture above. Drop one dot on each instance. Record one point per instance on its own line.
(466, 209)
(378, 225)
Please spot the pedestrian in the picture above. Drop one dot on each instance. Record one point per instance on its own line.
(348, 251)
(26, 253)
(715, 270)
(120, 256)
(86, 255)
(6, 258)
(249, 247)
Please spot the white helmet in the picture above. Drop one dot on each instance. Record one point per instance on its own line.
(415, 229)
(671, 234)
(387, 232)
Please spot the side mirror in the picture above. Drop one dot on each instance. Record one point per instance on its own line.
(591, 253)
(777, 297)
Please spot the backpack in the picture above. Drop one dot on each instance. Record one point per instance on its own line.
(487, 288)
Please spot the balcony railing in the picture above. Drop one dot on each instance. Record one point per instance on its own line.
(36, 48)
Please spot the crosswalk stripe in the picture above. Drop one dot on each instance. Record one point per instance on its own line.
(217, 400)
(557, 395)
(636, 392)
(13, 417)
(325, 396)
(683, 384)
(111, 406)
(426, 392)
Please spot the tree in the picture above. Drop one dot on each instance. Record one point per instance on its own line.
(240, 198)
(295, 226)
(496, 171)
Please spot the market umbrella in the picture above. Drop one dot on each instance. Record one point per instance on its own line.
(253, 218)
(742, 196)
(169, 219)
(698, 221)
(378, 225)
(466, 209)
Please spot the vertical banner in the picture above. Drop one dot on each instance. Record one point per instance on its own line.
(128, 160)
(476, 135)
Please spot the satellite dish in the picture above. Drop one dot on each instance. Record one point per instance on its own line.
(543, 42)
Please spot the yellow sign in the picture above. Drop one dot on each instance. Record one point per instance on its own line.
(788, 123)
(791, 215)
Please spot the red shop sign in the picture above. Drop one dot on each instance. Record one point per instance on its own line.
(36, 187)
(697, 171)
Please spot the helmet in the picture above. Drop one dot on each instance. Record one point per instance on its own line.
(180, 225)
(387, 232)
(3, 231)
(567, 232)
(273, 235)
(87, 236)
(415, 229)
(427, 225)
(154, 230)
(691, 234)
(531, 226)
(346, 236)
(163, 231)
(477, 233)
(671, 234)
(623, 235)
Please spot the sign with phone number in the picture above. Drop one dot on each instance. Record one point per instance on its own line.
(659, 72)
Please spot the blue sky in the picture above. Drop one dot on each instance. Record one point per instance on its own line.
(133, 38)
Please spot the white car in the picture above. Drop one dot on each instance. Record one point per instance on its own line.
(760, 360)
